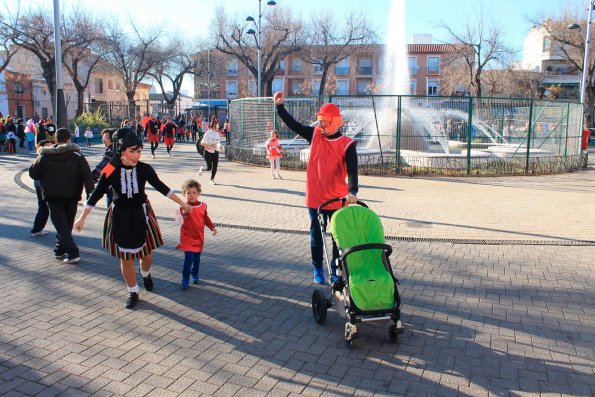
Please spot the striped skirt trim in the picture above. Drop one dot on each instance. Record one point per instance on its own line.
(153, 238)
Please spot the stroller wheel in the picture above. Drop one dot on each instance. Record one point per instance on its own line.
(392, 333)
(319, 306)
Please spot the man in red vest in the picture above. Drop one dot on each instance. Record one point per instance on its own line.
(332, 171)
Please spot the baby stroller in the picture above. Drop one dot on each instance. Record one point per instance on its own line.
(364, 282)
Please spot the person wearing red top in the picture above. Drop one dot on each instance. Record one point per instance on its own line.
(152, 133)
(274, 151)
(192, 231)
(333, 159)
(168, 129)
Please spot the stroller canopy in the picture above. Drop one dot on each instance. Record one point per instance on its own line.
(371, 284)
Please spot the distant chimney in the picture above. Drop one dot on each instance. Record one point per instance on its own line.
(421, 38)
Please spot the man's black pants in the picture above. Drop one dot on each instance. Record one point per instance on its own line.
(62, 214)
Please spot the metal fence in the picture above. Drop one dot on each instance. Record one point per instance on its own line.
(424, 135)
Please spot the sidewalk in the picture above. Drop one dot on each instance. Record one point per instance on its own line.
(507, 318)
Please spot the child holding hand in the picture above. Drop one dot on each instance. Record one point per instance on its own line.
(192, 233)
(274, 151)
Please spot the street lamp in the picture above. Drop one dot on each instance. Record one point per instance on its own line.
(259, 40)
(586, 59)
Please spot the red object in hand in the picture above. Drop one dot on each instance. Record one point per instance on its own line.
(585, 140)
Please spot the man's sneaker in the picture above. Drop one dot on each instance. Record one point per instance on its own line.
(213, 182)
(132, 300)
(147, 281)
(153, 156)
(39, 233)
(195, 280)
(185, 283)
(70, 261)
(59, 256)
(318, 275)
(200, 171)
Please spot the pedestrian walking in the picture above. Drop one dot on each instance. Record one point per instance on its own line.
(212, 146)
(274, 150)
(130, 228)
(88, 136)
(192, 231)
(63, 172)
(331, 172)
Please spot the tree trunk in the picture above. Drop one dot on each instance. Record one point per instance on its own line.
(80, 99)
(325, 69)
(131, 104)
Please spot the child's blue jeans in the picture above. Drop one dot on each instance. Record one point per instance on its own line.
(191, 264)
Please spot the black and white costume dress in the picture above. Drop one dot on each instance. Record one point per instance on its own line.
(130, 229)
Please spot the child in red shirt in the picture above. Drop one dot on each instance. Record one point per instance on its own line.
(192, 231)
(274, 151)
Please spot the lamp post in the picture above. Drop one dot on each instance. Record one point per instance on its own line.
(586, 58)
(259, 41)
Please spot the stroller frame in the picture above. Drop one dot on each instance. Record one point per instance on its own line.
(340, 288)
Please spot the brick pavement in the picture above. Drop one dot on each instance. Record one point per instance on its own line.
(482, 319)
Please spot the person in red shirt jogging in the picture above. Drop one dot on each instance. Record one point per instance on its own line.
(333, 160)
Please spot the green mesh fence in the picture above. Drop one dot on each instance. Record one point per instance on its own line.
(424, 135)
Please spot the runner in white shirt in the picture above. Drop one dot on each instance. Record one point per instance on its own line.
(212, 144)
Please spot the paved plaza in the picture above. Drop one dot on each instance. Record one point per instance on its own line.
(496, 274)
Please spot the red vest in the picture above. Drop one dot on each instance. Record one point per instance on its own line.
(326, 177)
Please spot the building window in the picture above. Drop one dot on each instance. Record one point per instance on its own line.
(117, 86)
(342, 87)
(315, 86)
(342, 68)
(297, 87)
(316, 69)
(44, 113)
(413, 66)
(19, 88)
(110, 84)
(364, 86)
(231, 69)
(433, 65)
(252, 87)
(281, 66)
(433, 87)
(231, 88)
(364, 66)
(547, 43)
(278, 85)
(297, 65)
(413, 87)
(99, 86)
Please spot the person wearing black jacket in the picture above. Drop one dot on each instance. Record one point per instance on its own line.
(63, 171)
(21, 132)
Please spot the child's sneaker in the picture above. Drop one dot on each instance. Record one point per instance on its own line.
(185, 283)
(195, 280)
(318, 275)
(200, 171)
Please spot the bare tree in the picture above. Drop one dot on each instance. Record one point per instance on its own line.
(172, 69)
(568, 43)
(132, 56)
(88, 46)
(480, 45)
(7, 51)
(282, 33)
(330, 39)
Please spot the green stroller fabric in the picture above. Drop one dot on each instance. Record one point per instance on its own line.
(372, 286)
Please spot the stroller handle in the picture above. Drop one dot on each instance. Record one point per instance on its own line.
(368, 246)
(343, 200)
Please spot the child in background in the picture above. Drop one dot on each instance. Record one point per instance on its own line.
(89, 136)
(274, 151)
(192, 231)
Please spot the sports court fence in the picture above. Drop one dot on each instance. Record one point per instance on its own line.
(423, 135)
